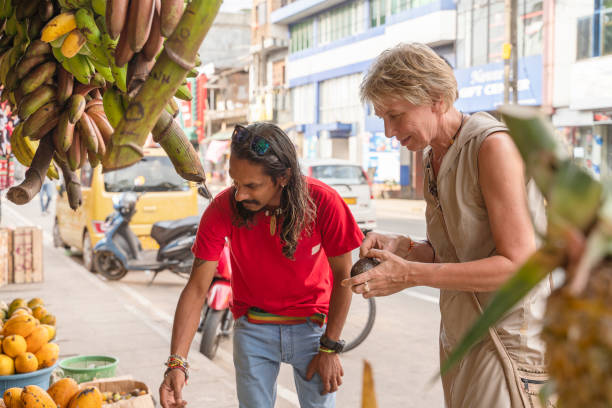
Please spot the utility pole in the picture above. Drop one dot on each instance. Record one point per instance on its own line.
(510, 52)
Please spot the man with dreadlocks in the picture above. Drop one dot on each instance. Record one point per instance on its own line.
(290, 241)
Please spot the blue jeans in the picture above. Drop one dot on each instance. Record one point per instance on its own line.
(258, 351)
(46, 192)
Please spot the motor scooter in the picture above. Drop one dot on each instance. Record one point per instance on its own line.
(217, 319)
(120, 251)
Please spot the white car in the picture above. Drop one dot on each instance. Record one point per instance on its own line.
(351, 182)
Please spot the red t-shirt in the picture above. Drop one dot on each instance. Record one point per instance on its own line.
(261, 275)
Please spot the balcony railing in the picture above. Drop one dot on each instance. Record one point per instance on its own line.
(594, 35)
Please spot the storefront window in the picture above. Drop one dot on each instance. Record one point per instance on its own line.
(589, 147)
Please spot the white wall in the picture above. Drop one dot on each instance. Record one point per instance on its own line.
(566, 17)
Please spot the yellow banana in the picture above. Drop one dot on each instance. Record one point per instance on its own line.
(73, 43)
(58, 26)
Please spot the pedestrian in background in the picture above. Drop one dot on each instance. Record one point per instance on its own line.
(479, 229)
(290, 240)
(46, 195)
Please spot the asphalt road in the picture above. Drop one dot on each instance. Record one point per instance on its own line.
(402, 347)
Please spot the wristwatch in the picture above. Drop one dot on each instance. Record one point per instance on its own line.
(336, 346)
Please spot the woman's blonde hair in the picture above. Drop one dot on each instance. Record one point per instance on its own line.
(413, 72)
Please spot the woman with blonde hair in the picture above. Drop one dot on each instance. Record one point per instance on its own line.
(479, 229)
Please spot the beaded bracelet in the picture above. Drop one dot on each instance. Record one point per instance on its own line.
(177, 362)
(183, 369)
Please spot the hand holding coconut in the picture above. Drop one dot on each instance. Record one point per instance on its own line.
(381, 273)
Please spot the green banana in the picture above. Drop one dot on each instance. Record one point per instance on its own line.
(76, 107)
(119, 73)
(57, 53)
(86, 23)
(183, 93)
(99, 7)
(96, 52)
(10, 27)
(113, 106)
(7, 9)
(38, 76)
(57, 43)
(5, 64)
(79, 67)
(103, 70)
(35, 100)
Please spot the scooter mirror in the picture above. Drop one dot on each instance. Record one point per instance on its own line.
(203, 191)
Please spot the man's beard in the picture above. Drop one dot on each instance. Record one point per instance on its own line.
(245, 212)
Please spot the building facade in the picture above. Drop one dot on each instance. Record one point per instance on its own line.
(332, 43)
(582, 82)
(268, 93)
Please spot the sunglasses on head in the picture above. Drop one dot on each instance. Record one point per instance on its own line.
(258, 144)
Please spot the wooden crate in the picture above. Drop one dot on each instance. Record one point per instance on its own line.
(27, 255)
(6, 256)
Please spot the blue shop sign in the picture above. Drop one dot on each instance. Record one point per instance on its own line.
(481, 88)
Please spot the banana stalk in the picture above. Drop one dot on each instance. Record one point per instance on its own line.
(185, 159)
(34, 176)
(143, 112)
(72, 184)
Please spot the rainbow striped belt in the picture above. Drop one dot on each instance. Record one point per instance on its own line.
(258, 316)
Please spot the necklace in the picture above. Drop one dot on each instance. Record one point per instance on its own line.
(272, 214)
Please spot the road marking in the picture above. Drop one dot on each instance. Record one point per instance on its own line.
(413, 293)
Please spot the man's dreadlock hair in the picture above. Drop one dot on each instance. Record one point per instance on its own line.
(298, 208)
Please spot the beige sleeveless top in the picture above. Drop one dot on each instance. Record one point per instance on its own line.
(455, 202)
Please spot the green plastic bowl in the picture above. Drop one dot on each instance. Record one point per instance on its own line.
(87, 368)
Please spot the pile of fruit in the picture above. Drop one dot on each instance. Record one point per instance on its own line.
(70, 69)
(110, 397)
(26, 334)
(64, 393)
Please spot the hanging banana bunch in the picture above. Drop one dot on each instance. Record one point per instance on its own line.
(70, 68)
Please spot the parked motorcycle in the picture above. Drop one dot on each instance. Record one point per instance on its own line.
(217, 319)
(120, 250)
